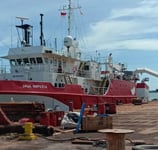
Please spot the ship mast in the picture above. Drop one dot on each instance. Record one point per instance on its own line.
(69, 42)
(69, 17)
(42, 41)
(70, 9)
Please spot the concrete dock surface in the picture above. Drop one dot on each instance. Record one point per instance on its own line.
(143, 119)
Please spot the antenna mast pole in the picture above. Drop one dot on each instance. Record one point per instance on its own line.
(69, 17)
(42, 41)
(70, 11)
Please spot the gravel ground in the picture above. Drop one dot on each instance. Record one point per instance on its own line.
(140, 118)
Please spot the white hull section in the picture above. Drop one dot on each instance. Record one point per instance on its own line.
(49, 103)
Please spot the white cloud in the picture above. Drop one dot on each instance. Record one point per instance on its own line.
(132, 32)
(149, 2)
(141, 44)
(125, 27)
(145, 8)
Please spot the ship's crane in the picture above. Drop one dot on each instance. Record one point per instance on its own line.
(142, 90)
(147, 70)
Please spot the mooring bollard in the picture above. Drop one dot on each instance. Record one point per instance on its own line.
(28, 134)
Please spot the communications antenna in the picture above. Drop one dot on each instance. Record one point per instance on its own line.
(69, 9)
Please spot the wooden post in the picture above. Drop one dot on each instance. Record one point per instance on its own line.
(115, 138)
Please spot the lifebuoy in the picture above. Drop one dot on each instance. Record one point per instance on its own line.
(145, 147)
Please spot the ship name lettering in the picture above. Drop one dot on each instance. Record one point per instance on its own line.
(27, 86)
(35, 86)
(39, 86)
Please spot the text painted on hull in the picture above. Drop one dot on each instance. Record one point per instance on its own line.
(35, 86)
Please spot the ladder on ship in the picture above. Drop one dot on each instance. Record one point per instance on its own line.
(103, 83)
(67, 79)
(103, 86)
(81, 67)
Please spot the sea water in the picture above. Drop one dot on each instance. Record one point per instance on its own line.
(153, 95)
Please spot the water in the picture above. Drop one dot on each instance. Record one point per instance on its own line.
(153, 95)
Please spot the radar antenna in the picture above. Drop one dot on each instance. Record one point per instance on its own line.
(22, 19)
(26, 32)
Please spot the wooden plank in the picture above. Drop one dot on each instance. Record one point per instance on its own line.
(62, 131)
(78, 141)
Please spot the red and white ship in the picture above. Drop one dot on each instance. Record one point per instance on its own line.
(39, 73)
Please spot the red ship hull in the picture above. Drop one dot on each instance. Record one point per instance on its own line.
(118, 90)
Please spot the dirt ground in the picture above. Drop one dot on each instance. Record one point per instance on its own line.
(143, 119)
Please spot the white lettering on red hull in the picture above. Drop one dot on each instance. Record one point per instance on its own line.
(34, 86)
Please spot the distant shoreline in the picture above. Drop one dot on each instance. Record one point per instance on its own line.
(154, 91)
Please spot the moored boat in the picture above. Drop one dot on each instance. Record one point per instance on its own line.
(40, 73)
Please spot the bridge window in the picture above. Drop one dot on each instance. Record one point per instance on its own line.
(86, 67)
(13, 62)
(32, 61)
(19, 61)
(26, 61)
(39, 60)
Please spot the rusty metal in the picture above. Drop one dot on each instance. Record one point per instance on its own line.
(17, 110)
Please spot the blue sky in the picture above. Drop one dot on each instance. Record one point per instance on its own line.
(126, 28)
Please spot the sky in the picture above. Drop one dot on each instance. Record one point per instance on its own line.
(126, 28)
